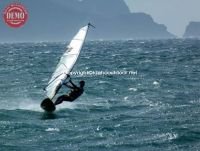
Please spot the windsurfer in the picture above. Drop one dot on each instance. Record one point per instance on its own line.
(75, 92)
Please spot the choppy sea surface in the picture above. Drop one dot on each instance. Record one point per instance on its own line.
(156, 109)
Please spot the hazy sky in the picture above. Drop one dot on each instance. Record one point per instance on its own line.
(175, 14)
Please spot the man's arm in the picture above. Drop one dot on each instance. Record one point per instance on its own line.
(74, 86)
(69, 86)
(66, 83)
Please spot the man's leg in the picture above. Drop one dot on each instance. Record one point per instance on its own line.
(62, 98)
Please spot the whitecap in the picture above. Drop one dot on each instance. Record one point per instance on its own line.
(172, 136)
(47, 52)
(29, 105)
(167, 136)
(22, 104)
(98, 128)
(66, 105)
(118, 125)
(132, 89)
(52, 130)
(126, 98)
(147, 61)
(155, 83)
(101, 82)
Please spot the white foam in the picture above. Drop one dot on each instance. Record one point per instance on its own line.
(34, 105)
(52, 130)
(172, 136)
(21, 103)
(168, 136)
(118, 125)
(98, 128)
(126, 98)
(155, 83)
(132, 89)
(30, 105)
(101, 82)
(66, 105)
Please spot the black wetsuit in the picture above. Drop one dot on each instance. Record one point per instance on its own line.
(73, 95)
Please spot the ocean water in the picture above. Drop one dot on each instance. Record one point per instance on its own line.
(156, 109)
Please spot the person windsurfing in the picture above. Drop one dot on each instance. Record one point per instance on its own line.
(64, 67)
(75, 92)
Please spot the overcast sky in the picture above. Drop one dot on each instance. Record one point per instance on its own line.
(175, 14)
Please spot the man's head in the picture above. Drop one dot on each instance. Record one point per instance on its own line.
(82, 83)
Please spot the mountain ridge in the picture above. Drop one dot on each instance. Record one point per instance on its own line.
(192, 30)
(51, 20)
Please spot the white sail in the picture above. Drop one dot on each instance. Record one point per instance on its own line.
(67, 62)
